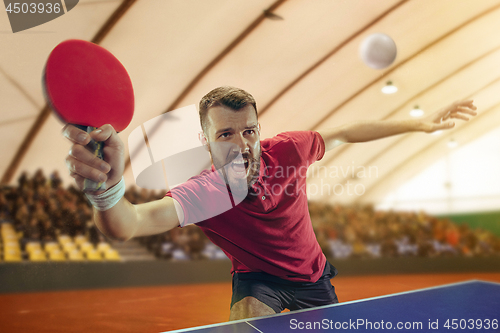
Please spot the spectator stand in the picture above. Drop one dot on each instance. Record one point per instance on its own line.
(42, 221)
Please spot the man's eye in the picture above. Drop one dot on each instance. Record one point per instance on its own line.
(224, 135)
(250, 131)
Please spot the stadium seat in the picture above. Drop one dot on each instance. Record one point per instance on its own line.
(93, 255)
(179, 254)
(12, 245)
(33, 246)
(69, 246)
(4, 231)
(57, 255)
(12, 256)
(37, 255)
(112, 255)
(51, 246)
(75, 255)
(86, 247)
(79, 239)
(9, 237)
(7, 228)
(64, 239)
(103, 247)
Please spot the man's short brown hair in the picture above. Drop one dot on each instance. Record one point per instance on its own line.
(231, 97)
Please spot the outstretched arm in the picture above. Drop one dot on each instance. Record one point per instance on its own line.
(363, 131)
(124, 220)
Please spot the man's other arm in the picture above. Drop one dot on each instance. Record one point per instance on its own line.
(369, 130)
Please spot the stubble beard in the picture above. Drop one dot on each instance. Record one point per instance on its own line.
(241, 184)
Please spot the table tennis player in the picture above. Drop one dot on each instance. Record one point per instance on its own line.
(276, 260)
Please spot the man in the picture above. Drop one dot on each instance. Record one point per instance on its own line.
(267, 233)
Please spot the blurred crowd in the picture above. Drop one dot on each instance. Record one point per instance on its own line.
(40, 209)
(362, 232)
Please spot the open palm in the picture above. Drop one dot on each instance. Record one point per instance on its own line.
(458, 110)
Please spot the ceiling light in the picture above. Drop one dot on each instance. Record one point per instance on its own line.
(389, 88)
(452, 143)
(416, 112)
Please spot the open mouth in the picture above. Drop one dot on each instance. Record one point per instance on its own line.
(239, 167)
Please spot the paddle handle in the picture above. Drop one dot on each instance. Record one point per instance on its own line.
(96, 147)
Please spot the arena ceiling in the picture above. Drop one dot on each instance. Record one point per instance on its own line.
(299, 58)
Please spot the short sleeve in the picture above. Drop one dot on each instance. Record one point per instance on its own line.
(203, 197)
(308, 144)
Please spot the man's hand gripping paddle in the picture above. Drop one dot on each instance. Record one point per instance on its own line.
(86, 86)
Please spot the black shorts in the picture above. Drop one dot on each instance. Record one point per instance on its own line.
(280, 294)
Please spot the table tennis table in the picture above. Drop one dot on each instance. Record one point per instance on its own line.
(470, 306)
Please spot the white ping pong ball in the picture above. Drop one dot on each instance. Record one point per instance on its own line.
(378, 51)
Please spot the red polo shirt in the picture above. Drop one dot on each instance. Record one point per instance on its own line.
(270, 230)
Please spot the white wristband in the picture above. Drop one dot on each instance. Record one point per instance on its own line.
(108, 199)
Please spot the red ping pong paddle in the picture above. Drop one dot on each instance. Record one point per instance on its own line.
(86, 86)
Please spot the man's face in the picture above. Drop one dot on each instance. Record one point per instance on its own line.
(234, 144)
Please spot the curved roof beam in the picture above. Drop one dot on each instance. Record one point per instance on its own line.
(343, 149)
(266, 14)
(428, 46)
(423, 92)
(407, 161)
(327, 56)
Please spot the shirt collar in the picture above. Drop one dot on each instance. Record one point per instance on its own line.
(263, 172)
